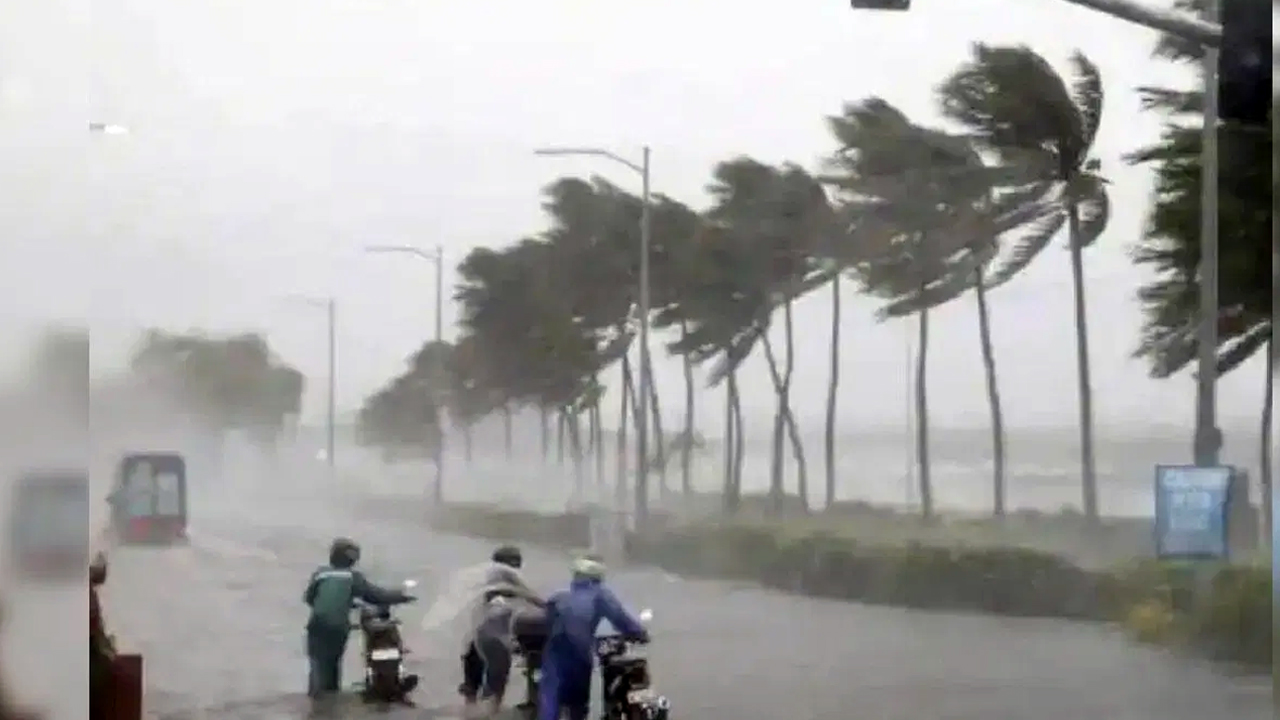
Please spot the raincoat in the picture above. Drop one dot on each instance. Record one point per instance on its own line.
(331, 592)
(569, 659)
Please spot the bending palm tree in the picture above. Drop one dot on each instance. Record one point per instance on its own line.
(1016, 106)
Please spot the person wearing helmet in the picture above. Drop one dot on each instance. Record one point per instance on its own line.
(486, 661)
(331, 592)
(569, 658)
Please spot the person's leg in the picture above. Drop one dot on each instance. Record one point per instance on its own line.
(575, 692)
(315, 669)
(472, 675)
(549, 690)
(324, 650)
(339, 651)
(497, 671)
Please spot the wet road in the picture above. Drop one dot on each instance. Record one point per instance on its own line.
(219, 624)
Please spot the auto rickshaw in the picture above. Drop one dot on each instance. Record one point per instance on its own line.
(49, 524)
(149, 501)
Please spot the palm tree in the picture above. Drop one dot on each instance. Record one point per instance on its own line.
(780, 214)
(673, 275)
(923, 214)
(719, 310)
(1171, 246)
(1016, 106)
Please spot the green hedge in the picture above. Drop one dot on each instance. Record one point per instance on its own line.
(1156, 601)
(1226, 616)
(1007, 581)
(563, 530)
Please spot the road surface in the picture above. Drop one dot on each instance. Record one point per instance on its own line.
(220, 626)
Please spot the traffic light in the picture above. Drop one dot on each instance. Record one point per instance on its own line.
(880, 4)
(1244, 62)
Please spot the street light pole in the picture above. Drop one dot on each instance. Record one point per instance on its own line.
(1208, 439)
(436, 257)
(643, 303)
(330, 307)
(331, 420)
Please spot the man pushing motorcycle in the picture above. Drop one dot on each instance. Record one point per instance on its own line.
(330, 594)
(490, 642)
(568, 661)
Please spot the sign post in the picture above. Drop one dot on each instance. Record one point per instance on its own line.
(1191, 512)
(1192, 520)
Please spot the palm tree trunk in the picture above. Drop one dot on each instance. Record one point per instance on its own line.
(544, 427)
(922, 417)
(739, 439)
(593, 441)
(793, 432)
(624, 397)
(560, 419)
(686, 450)
(777, 491)
(1268, 418)
(1088, 469)
(726, 493)
(833, 385)
(506, 430)
(802, 465)
(659, 441)
(999, 500)
(739, 443)
(574, 428)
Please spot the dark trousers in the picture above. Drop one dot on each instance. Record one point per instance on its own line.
(486, 668)
(325, 648)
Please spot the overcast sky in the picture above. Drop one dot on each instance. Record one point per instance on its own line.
(271, 139)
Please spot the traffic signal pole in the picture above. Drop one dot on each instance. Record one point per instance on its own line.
(1206, 33)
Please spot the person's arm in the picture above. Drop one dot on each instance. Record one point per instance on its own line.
(525, 592)
(627, 624)
(309, 595)
(376, 594)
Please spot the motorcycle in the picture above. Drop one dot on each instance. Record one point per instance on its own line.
(628, 690)
(628, 687)
(385, 679)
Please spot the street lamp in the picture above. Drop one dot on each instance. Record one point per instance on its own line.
(642, 401)
(331, 411)
(435, 257)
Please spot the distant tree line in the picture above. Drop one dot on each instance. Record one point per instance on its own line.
(231, 382)
(915, 216)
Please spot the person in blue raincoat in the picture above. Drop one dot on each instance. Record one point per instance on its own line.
(330, 594)
(569, 658)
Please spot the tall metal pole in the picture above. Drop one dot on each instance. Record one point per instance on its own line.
(1207, 32)
(642, 401)
(439, 261)
(332, 411)
(1208, 440)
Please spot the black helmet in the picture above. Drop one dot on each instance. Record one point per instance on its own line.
(343, 552)
(508, 555)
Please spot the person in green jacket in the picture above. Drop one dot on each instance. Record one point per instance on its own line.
(331, 593)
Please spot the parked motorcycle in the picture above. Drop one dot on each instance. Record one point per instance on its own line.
(385, 679)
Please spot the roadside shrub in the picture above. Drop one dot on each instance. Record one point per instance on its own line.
(561, 530)
(1157, 602)
(1009, 581)
(1235, 621)
(1226, 617)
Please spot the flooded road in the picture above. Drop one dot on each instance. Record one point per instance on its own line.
(220, 626)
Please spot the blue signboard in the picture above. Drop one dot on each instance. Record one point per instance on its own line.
(1191, 511)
